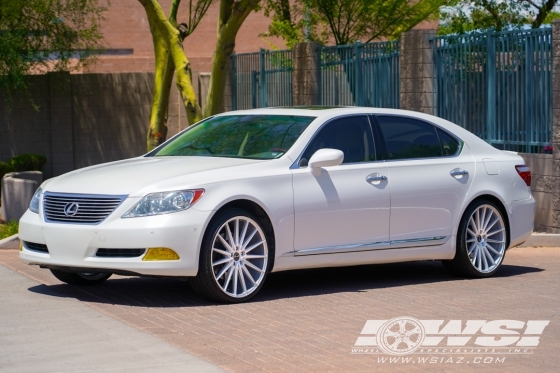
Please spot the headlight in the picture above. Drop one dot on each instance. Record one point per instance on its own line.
(164, 203)
(34, 204)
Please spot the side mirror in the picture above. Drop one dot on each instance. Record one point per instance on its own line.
(325, 158)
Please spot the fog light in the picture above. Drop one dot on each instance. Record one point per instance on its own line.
(160, 253)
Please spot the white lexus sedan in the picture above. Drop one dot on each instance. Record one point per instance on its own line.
(246, 193)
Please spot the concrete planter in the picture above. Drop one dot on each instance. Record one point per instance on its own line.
(17, 190)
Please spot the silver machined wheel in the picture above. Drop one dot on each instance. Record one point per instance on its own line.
(239, 256)
(486, 238)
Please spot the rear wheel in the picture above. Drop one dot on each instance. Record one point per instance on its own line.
(234, 258)
(481, 241)
(85, 278)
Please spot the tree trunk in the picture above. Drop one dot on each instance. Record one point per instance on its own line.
(231, 17)
(166, 34)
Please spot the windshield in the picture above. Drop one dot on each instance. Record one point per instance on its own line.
(240, 136)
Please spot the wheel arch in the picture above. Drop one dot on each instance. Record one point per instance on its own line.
(501, 206)
(259, 212)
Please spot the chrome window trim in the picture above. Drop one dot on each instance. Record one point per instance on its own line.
(370, 246)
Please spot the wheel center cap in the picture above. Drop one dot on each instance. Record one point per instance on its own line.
(236, 256)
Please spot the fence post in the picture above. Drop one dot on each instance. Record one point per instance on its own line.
(233, 75)
(555, 182)
(491, 86)
(306, 77)
(415, 65)
(358, 75)
(262, 79)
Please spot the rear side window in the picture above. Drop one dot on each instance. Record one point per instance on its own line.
(449, 145)
(407, 138)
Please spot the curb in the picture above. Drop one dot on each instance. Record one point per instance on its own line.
(11, 242)
(542, 239)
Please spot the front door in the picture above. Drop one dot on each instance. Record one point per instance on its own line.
(347, 207)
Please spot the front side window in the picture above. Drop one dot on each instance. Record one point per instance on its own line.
(351, 135)
(239, 136)
(407, 138)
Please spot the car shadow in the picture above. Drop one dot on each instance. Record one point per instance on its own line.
(169, 292)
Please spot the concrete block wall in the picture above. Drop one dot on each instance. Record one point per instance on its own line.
(84, 119)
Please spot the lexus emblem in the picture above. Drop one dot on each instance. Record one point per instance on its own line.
(71, 209)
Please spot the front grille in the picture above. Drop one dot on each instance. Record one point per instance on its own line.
(120, 253)
(79, 208)
(36, 247)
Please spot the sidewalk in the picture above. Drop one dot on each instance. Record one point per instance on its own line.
(43, 331)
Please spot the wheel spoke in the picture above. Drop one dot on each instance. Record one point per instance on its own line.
(247, 263)
(491, 225)
(230, 236)
(488, 256)
(225, 243)
(249, 239)
(493, 250)
(484, 261)
(494, 241)
(235, 281)
(248, 274)
(222, 261)
(471, 232)
(236, 232)
(473, 246)
(242, 238)
(483, 218)
(255, 256)
(230, 273)
(223, 270)
(225, 253)
(253, 246)
(477, 219)
(493, 233)
(243, 286)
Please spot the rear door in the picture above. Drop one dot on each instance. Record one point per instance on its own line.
(430, 173)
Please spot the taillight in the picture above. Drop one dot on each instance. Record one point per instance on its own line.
(525, 173)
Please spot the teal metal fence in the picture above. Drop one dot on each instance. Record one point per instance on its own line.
(261, 79)
(497, 85)
(361, 74)
(351, 75)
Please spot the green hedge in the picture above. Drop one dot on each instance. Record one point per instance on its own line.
(5, 168)
(27, 162)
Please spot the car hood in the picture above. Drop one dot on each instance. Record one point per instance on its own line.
(134, 175)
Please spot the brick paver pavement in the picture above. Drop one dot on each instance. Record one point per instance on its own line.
(308, 321)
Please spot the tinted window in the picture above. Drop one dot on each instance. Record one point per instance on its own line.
(449, 145)
(409, 138)
(240, 136)
(351, 135)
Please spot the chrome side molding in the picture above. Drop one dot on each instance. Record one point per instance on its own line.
(381, 245)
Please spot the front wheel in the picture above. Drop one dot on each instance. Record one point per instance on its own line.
(85, 278)
(234, 258)
(481, 241)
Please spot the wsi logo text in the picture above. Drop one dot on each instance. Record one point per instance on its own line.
(406, 335)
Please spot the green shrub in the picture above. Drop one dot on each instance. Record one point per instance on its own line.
(5, 168)
(27, 162)
(8, 229)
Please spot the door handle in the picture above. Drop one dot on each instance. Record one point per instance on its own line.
(375, 177)
(458, 172)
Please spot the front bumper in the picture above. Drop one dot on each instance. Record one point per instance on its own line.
(75, 245)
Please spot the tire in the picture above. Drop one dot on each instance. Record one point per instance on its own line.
(482, 240)
(235, 258)
(85, 278)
